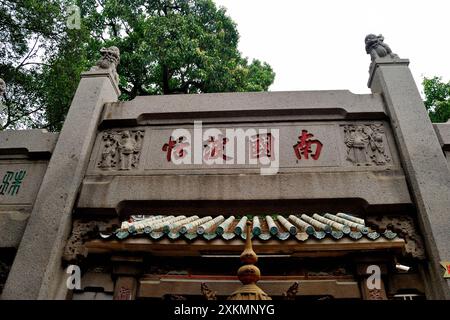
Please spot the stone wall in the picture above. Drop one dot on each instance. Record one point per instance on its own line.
(369, 174)
(24, 157)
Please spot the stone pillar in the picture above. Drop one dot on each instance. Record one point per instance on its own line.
(422, 159)
(37, 272)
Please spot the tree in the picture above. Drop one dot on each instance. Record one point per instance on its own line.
(28, 28)
(437, 98)
(167, 47)
(175, 46)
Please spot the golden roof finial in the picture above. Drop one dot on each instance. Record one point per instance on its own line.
(249, 274)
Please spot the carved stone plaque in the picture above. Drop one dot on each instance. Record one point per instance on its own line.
(208, 148)
(120, 150)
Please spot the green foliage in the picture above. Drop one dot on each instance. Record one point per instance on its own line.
(27, 28)
(437, 98)
(167, 47)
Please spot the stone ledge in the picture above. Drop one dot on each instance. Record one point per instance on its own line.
(27, 142)
(333, 104)
(384, 62)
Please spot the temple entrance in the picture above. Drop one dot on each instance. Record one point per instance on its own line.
(172, 257)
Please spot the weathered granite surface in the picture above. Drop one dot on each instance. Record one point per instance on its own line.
(50, 221)
(238, 107)
(377, 181)
(31, 143)
(423, 160)
(24, 156)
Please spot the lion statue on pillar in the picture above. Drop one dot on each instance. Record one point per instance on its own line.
(109, 61)
(376, 47)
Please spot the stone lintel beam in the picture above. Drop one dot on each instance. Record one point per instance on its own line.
(371, 189)
(248, 106)
(32, 143)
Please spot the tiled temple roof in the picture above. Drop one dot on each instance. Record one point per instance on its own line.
(300, 227)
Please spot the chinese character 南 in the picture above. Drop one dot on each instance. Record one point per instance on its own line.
(215, 148)
(261, 145)
(11, 182)
(176, 148)
(304, 147)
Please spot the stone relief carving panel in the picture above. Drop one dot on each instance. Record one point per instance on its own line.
(336, 146)
(120, 150)
(366, 144)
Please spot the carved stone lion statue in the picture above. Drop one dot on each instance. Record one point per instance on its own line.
(376, 47)
(110, 60)
(2, 87)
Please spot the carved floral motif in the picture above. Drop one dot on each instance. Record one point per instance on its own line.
(366, 145)
(120, 150)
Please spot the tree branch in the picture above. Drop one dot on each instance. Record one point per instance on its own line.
(37, 63)
(28, 55)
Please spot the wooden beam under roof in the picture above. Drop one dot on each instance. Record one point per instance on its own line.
(312, 247)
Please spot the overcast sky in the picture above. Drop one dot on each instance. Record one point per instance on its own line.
(319, 44)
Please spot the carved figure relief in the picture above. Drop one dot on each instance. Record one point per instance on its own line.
(366, 144)
(356, 139)
(120, 150)
(376, 142)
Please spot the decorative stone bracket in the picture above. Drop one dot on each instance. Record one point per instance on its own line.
(406, 228)
(82, 231)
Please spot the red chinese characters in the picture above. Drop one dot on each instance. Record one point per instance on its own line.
(214, 148)
(262, 145)
(176, 148)
(306, 146)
